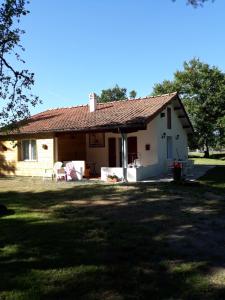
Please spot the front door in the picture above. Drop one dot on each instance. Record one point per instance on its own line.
(112, 152)
(132, 148)
(169, 147)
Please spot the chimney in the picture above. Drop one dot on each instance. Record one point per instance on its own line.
(92, 102)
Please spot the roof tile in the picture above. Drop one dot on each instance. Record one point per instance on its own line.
(111, 114)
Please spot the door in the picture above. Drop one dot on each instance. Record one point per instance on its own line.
(112, 152)
(132, 148)
(169, 147)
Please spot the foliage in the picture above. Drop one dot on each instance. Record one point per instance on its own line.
(15, 82)
(115, 94)
(133, 94)
(202, 89)
(196, 3)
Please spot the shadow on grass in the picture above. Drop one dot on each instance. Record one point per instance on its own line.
(135, 241)
(218, 156)
(215, 178)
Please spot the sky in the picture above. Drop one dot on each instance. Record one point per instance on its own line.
(75, 47)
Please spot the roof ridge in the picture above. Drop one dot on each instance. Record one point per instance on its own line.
(100, 103)
(140, 98)
(162, 95)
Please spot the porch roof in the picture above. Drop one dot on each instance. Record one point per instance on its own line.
(109, 116)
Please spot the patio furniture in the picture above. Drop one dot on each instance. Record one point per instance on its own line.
(79, 166)
(71, 173)
(48, 173)
(59, 171)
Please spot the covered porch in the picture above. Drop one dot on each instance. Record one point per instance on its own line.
(102, 154)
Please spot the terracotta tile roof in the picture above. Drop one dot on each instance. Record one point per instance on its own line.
(109, 115)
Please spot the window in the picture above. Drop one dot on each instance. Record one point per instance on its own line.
(29, 150)
(168, 118)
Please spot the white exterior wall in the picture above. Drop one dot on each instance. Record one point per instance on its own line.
(180, 145)
(100, 155)
(154, 162)
(133, 174)
(148, 136)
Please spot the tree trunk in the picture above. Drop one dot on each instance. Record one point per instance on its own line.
(206, 155)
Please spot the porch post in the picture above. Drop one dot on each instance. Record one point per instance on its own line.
(55, 149)
(124, 155)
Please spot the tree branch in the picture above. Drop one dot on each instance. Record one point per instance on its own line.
(16, 73)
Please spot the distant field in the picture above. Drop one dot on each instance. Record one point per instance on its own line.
(216, 158)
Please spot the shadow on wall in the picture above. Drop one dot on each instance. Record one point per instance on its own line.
(6, 167)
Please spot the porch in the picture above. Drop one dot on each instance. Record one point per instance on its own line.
(103, 154)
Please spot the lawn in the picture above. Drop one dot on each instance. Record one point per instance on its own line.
(135, 241)
(214, 159)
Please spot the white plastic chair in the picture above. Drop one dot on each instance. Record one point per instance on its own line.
(59, 171)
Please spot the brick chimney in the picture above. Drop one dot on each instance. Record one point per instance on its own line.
(92, 102)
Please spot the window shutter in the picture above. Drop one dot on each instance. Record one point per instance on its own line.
(19, 150)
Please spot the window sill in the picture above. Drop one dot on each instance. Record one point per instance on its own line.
(29, 160)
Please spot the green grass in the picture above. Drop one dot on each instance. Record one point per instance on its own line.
(215, 158)
(135, 241)
(208, 161)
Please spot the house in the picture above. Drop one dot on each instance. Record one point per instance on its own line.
(133, 139)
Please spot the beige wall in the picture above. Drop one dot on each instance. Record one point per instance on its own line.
(100, 155)
(147, 157)
(10, 163)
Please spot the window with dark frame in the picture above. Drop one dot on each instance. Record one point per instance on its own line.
(168, 118)
(29, 150)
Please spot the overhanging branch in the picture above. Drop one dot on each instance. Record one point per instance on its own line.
(16, 73)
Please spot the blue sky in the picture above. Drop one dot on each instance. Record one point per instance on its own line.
(75, 47)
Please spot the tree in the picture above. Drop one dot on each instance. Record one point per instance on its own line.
(196, 3)
(133, 94)
(114, 94)
(202, 90)
(15, 82)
